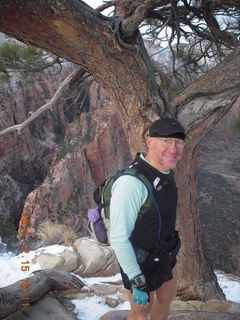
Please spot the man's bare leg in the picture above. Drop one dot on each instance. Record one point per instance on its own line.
(139, 312)
(163, 298)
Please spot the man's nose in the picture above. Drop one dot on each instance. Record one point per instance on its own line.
(173, 147)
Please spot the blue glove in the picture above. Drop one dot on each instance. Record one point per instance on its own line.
(139, 297)
(140, 292)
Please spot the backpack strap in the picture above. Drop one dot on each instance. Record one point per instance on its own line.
(106, 190)
(151, 199)
(150, 190)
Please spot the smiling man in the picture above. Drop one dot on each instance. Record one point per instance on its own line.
(142, 223)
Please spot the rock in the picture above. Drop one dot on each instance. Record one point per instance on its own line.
(66, 261)
(210, 305)
(111, 302)
(219, 190)
(47, 308)
(51, 168)
(177, 315)
(25, 157)
(87, 258)
(201, 315)
(95, 260)
(222, 306)
(186, 305)
(101, 289)
(78, 166)
(115, 315)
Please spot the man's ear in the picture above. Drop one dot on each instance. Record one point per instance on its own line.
(148, 141)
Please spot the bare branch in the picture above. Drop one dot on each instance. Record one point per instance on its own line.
(130, 25)
(231, 3)
(63, 88)
(213, 25)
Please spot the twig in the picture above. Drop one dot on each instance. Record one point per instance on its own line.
(63, 88)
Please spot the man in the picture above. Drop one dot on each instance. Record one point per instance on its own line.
(146, 245)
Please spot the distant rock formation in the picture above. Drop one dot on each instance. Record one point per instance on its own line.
(48, 170)
(25, 158)
(219, 193)
(78, 165)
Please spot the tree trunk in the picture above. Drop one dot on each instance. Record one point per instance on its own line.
(200, 106)
(29, 290)
(74, 31)
(196, 277)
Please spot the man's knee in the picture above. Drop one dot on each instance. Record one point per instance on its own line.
(167, 292)
(139, 312)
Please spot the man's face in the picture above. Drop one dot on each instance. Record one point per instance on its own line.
(164, 153)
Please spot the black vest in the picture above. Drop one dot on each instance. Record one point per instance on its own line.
(146, 231)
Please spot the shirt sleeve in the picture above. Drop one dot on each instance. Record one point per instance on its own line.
(128, 196)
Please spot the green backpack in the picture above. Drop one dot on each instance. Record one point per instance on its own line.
(99, 218)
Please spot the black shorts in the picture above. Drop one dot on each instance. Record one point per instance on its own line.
(157, 269)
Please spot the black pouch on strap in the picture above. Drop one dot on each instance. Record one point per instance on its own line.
(169, 247)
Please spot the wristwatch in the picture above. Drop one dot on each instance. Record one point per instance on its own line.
(138, 281)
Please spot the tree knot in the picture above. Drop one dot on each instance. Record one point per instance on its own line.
(115, 25)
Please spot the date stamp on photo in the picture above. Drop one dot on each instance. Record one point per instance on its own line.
(24, 248)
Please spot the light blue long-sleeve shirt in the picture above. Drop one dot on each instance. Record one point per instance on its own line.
(128, 196)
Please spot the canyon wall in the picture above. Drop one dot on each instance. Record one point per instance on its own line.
(219, 193)
(51, 168)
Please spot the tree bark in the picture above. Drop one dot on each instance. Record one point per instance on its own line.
(27, 291)
(76, 32)
(199, 108)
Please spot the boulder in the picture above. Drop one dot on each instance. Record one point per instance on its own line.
(222, 306)
(47, 308)
(115, 315)
(95, 260)
(201, 315)
(101, 289)
(210, 305)
(176, 315)
(66, 261)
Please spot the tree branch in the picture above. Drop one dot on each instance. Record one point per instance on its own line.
(63, 88)
(216, 32)
(105, 6)
(206, 95)
(231, 3)
(30, 290)
(130, 25)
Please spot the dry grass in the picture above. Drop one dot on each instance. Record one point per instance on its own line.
(50, 233)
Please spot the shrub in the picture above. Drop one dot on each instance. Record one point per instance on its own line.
(50, 233)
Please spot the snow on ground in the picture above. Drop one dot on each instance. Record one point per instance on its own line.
(230, 285)
(90, 308)
(14, 267)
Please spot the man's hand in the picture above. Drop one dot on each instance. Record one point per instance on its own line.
(139, 297)
(140, 292)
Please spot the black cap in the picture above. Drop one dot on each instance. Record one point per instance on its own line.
(167, 127)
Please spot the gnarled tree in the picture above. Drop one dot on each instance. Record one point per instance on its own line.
(112, 50)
